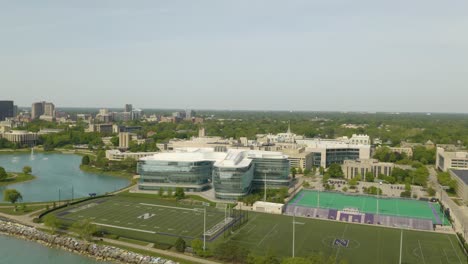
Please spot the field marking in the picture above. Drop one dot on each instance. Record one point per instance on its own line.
(126, 228)
(445, 253)
(170, 207)
(454, 249)
(401, 244)
(422, 254)
(338, 251)
(267, 235)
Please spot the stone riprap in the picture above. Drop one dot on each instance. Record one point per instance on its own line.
(100, 252)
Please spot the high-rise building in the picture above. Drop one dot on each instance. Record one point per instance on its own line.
(37, 109)
(128, 108)
(189, 114)
(6, 109)
(49, 109)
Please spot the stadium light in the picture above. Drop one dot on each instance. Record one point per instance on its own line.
(204, 223)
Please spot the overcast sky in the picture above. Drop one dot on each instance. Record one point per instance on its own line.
(343, 55)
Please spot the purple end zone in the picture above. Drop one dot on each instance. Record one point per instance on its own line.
(369, 218)
(332, 214)
(357, 218)
(298, 199)
(434, 212)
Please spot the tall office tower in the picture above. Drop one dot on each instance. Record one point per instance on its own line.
(37, 109)
(128, 108)
(189, 114)
(49, 109)
(6, 109)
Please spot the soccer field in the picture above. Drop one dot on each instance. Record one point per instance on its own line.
(355, 243)
(368, 204)
(143, 219)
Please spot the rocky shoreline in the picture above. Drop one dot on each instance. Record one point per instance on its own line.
(99, 252)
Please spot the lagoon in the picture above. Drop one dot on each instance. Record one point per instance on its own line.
(58, 177)
(14, 250)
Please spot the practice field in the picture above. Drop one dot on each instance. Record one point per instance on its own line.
(354, 243)
(368, 204)
(144, 219)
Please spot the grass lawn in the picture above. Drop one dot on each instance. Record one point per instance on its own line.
(265, 233)
(14, 177)
(150, 220)
(19, 211)
(162, 221)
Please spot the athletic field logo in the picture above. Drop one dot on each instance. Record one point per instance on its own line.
(145, 216)
(338, 242)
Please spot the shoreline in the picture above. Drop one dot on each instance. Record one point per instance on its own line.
(74, 245)
(18, 174)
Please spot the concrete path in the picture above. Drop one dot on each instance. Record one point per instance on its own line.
(160, 251)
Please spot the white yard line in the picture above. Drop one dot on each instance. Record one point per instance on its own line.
(171, 207)
(126, 228)
(261, 241)
(454, 249)
(401, 244)
(422, 254)
(338, 251)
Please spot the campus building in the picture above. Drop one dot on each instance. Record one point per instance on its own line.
(355, 168)
(6, 109)
(456, 159)
(326, 152)
(232, 173)
(114, 154)
(461, 176)
(23, 138)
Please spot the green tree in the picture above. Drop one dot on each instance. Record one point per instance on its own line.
(306, 172)
(12, 196)
(293, 172)
(169, 192)
(84, 228)
(306, 184)
(335, 171)
(369, 176)
(321, 170)
(3, 174)
(431, 191)
(115, 141)
(51, 221)
(160, 192)
(300, 171)
(180, 245)
(27, 169)
(85, 160)
(179, 193)
(197, 246)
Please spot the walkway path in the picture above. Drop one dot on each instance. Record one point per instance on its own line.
(160, 251)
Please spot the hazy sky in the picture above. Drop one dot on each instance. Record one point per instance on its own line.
(356, 55)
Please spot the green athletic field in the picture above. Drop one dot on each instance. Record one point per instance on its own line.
(368, 204)
(143, 219)
(264, 233)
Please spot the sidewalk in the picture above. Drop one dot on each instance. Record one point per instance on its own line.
(160, 251)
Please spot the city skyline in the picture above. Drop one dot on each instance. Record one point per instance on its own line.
(262, 55)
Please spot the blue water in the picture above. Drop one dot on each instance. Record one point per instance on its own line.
(58, 177)
(18, 251)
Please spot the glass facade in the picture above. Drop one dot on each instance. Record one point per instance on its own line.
(275, 171)
(231, 183)
(167, 173)
(340, 155)
(316, 159)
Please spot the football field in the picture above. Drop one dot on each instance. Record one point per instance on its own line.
(370, 204)
(143, 219)
(354, 243)
(162, 221)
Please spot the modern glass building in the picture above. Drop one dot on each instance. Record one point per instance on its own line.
(232, 174)
(231, 183)
(191, 171)
(339, 155)
(271, 168)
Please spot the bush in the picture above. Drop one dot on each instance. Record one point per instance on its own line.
(405, 194)
(36, 220)
(180, 245)
(345, 189)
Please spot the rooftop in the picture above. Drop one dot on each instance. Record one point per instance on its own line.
(462, 174)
